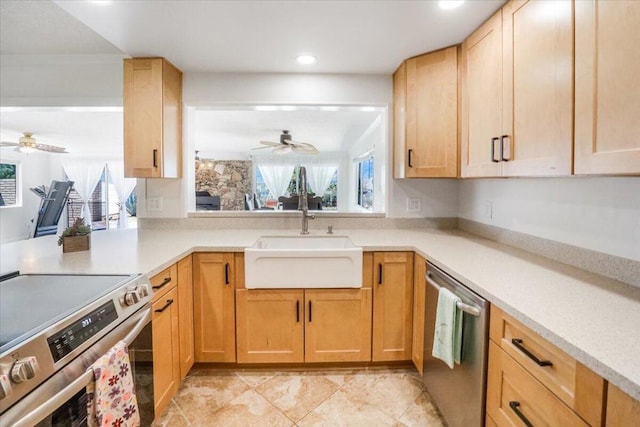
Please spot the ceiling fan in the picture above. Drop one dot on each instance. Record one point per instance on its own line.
(287, 145)
(28, 144)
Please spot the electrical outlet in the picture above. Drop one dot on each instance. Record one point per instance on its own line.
(487, 209)
(154, 203)
(414, 204)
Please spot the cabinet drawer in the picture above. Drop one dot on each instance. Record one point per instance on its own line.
(163, 281)
(576, 385)
(514, 395)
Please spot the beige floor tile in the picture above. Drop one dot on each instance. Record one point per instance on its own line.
(246, 410)
(422, 413)
(392, 392)
(343, 410)
(255, 378)
(297, 394)
(201, 394)
(172, 416)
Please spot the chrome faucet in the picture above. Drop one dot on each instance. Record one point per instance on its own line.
(303, 203)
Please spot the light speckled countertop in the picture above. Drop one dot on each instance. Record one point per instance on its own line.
(594, 319)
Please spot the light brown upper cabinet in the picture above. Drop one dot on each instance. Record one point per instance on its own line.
(392, 306)
(607, 98)
(152, 118)
(214, 307)
(517, 109)
(425, 90)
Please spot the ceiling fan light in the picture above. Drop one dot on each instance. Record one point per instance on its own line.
(26, 149)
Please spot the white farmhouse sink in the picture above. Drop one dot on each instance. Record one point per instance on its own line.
(303, 262)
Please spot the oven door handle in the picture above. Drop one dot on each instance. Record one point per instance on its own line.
(39, 413)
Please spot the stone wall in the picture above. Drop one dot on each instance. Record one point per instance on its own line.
(229, 179)
(8, 191)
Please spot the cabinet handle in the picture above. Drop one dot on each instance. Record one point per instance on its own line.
(155, 158)
(493, 149)
(518, 343)
(502, 150)
(514, 406)
(226, 274)
(297, 311)
(309, 311)
(379, 273)
(160, 310)
(409, 158)
(164, 282)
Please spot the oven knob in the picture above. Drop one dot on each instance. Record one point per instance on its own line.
(131, 298)
(24, 369)
(143, 290)
(5, 386)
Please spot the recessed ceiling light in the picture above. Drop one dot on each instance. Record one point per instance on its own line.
(306, 59)
(449, 4)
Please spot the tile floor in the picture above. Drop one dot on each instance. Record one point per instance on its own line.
(354, 397)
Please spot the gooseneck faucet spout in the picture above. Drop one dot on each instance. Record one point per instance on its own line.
(303, 204)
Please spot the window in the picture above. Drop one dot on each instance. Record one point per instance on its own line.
(10, 190)
(364, 183)
(329, 198)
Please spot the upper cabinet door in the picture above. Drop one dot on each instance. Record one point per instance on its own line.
(481, 121)
(537, 105)
(399, 119)
(152, 118)
(607, 98)
(432, 115)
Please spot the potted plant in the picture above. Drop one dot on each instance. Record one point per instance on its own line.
(75, 238)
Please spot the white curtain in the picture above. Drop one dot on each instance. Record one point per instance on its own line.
(277, 178)
(85, 176)
(319, 178)
(123, 186)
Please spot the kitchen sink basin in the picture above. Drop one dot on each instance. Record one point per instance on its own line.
(303, 262)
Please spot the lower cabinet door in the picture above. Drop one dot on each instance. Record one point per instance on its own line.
(338, 325)
(270, 326)
(515, 397)
(166, 350)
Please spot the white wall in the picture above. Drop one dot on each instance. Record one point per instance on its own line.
(15, 222)
(597, 213)
(201, 89)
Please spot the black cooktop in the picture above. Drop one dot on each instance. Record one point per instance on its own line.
(31, 303)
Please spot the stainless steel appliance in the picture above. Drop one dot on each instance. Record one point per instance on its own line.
(53, 328)
(459, 393)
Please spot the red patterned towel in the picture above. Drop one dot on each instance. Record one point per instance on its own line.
(111, 396)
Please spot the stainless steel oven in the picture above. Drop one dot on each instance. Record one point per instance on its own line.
(45, 363)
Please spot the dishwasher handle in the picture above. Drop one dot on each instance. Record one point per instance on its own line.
(467, 308)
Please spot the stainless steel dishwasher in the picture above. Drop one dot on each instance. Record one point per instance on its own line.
(459, 393)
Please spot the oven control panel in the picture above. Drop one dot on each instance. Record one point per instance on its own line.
(70, 338)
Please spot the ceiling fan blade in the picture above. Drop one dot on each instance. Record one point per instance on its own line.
(262, 148)
(270, 143)
(307, 148)
(51, 148)
(8, 144)
(282, 149)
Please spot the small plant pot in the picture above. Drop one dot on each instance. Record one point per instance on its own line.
(76, 243)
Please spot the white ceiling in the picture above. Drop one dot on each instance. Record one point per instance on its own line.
(41, 27)
(241, 130)
(346, 36)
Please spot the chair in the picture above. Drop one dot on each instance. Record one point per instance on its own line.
(291, 203)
